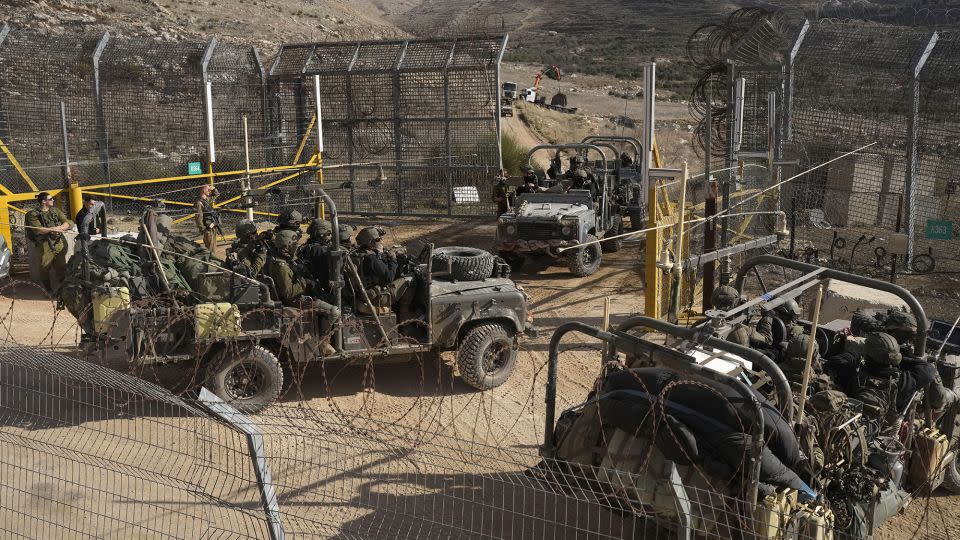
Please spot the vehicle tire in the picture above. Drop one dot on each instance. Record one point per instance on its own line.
(951, 478)
(250, 380)
(487, 356)
(585, 261)
(467, 263)
(613, 246)
(637, 222)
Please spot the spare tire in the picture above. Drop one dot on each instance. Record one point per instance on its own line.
(465, 263)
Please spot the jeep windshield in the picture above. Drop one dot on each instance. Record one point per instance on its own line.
(581, 197)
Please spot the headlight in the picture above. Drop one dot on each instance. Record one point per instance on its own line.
(510, 229)
(568, 228)
(565, 230)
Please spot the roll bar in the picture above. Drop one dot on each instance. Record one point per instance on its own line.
(336, 263)
(621, 341)
(637, 147)
(780, 382)
(578, 147)
(923, 324)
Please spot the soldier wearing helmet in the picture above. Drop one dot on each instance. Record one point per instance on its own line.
(580, 177)
(531, 183)
(903, 327)
(248, 253)
(293, 287)
(789, 312)
(726, 298)
(289, 219)
(346, 234)
(794, 361)
(314, 255)
(380, 274)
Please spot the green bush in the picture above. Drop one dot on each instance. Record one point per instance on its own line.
(514, 154)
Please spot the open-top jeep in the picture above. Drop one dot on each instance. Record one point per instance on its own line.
(707, 436)
(629, 189)
(464, 301)
(559, 217)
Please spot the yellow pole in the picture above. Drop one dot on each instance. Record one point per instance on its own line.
(5, 224)
(75, 199)
(654, 240)
(678, 265)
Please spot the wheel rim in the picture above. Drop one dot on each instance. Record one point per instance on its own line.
(244, 381)
(495, 357)
(588, 256)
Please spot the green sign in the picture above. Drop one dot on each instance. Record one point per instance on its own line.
(939, 230)
(194, 167)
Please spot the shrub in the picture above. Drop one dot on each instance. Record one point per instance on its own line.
(514, 154)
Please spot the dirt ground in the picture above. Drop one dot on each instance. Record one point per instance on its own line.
(428, 396)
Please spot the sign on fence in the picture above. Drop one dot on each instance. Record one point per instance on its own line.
(194, 167)
(939, 230)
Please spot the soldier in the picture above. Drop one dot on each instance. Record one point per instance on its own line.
(96, 225)
(875, 383)
(380, 272)
(207, 219)
(529, 186)
(247, 253)
(556, 167)
(289, 219)
(625, 160)
(346, 232)
(789, 312)
(291, 285)
(314, 255)
(794, 363)
(902, 325)
(500, 194)
(725, 298)
(530, 176)
(581, 178)
(44, 227)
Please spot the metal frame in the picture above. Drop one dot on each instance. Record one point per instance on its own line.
(910, 182)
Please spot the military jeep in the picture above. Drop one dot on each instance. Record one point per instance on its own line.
(464, 302)
(558, 217)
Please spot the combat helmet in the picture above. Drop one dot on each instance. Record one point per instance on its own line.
(797, 347)
(367, 237)
(318, 227)
(345, 231)
(725, 297)
(789, 310)
(577, 160)
(289, 218)
(245, 228)
(901, 325)
(285, 241)
(882, 349)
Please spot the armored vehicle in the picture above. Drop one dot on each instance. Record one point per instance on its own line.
(706, 436)
(558, 217)
(237, 339)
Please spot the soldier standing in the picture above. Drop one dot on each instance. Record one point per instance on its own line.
(206, 216)
(45, 227)
(500, 194)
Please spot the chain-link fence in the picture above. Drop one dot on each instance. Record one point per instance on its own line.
(839, 86)
(410, 127)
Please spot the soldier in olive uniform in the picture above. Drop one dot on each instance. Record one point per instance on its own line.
(206, 216)
(45, 227)
(580, 177)
(289, 220)
(314, 255)
(500, 195)
(902, 325)
(292, 286)
(789, 312)
(380, 272)
(248, 251)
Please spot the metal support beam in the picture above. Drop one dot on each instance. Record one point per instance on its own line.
(397, 124)
(692, 262)
(448, 146)
(4, 30)
(258, 457)
(913, 133)
(788, 98)
(649, 121)
(351, 121)
(102, 140)
(497, 94)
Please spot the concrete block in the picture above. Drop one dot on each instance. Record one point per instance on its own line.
(841, 299)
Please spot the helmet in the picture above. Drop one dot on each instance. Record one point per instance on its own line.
(900, 324)
(526, 169)
(788, 310)
(286, 240)
(289, 216)
(367, 236)
(318, 227)
(577, 160)
(345, 231)
(797, 347)
(246, 228)
(725, 297)
(882, 349)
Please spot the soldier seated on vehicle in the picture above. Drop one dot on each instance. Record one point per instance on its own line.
(529, 186)
(295, 289)
(289, 219)
(555, 171)
(581, 178)
(789, 313)
(902, 326)
(380, 275)
(625, 160)
(726, 298)
(314, 255)
(794, 361)
(248, 253)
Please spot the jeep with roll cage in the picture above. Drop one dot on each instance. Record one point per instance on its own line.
(629, 189)
(464, 297)
(558, 217)
(861, 484)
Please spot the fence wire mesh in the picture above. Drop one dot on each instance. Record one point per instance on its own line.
(841, 85)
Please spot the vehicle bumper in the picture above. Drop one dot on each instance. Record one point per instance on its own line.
(529, 246)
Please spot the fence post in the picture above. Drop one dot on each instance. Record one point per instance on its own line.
(446, 129)
(496, 92)
(266, 127)
(102, 141)
(208, 95)
(350, 134)
(910, 182)
(268, 495)
(397, 132)
(788, 99)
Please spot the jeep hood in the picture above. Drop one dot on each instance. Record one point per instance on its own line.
(461, 288)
